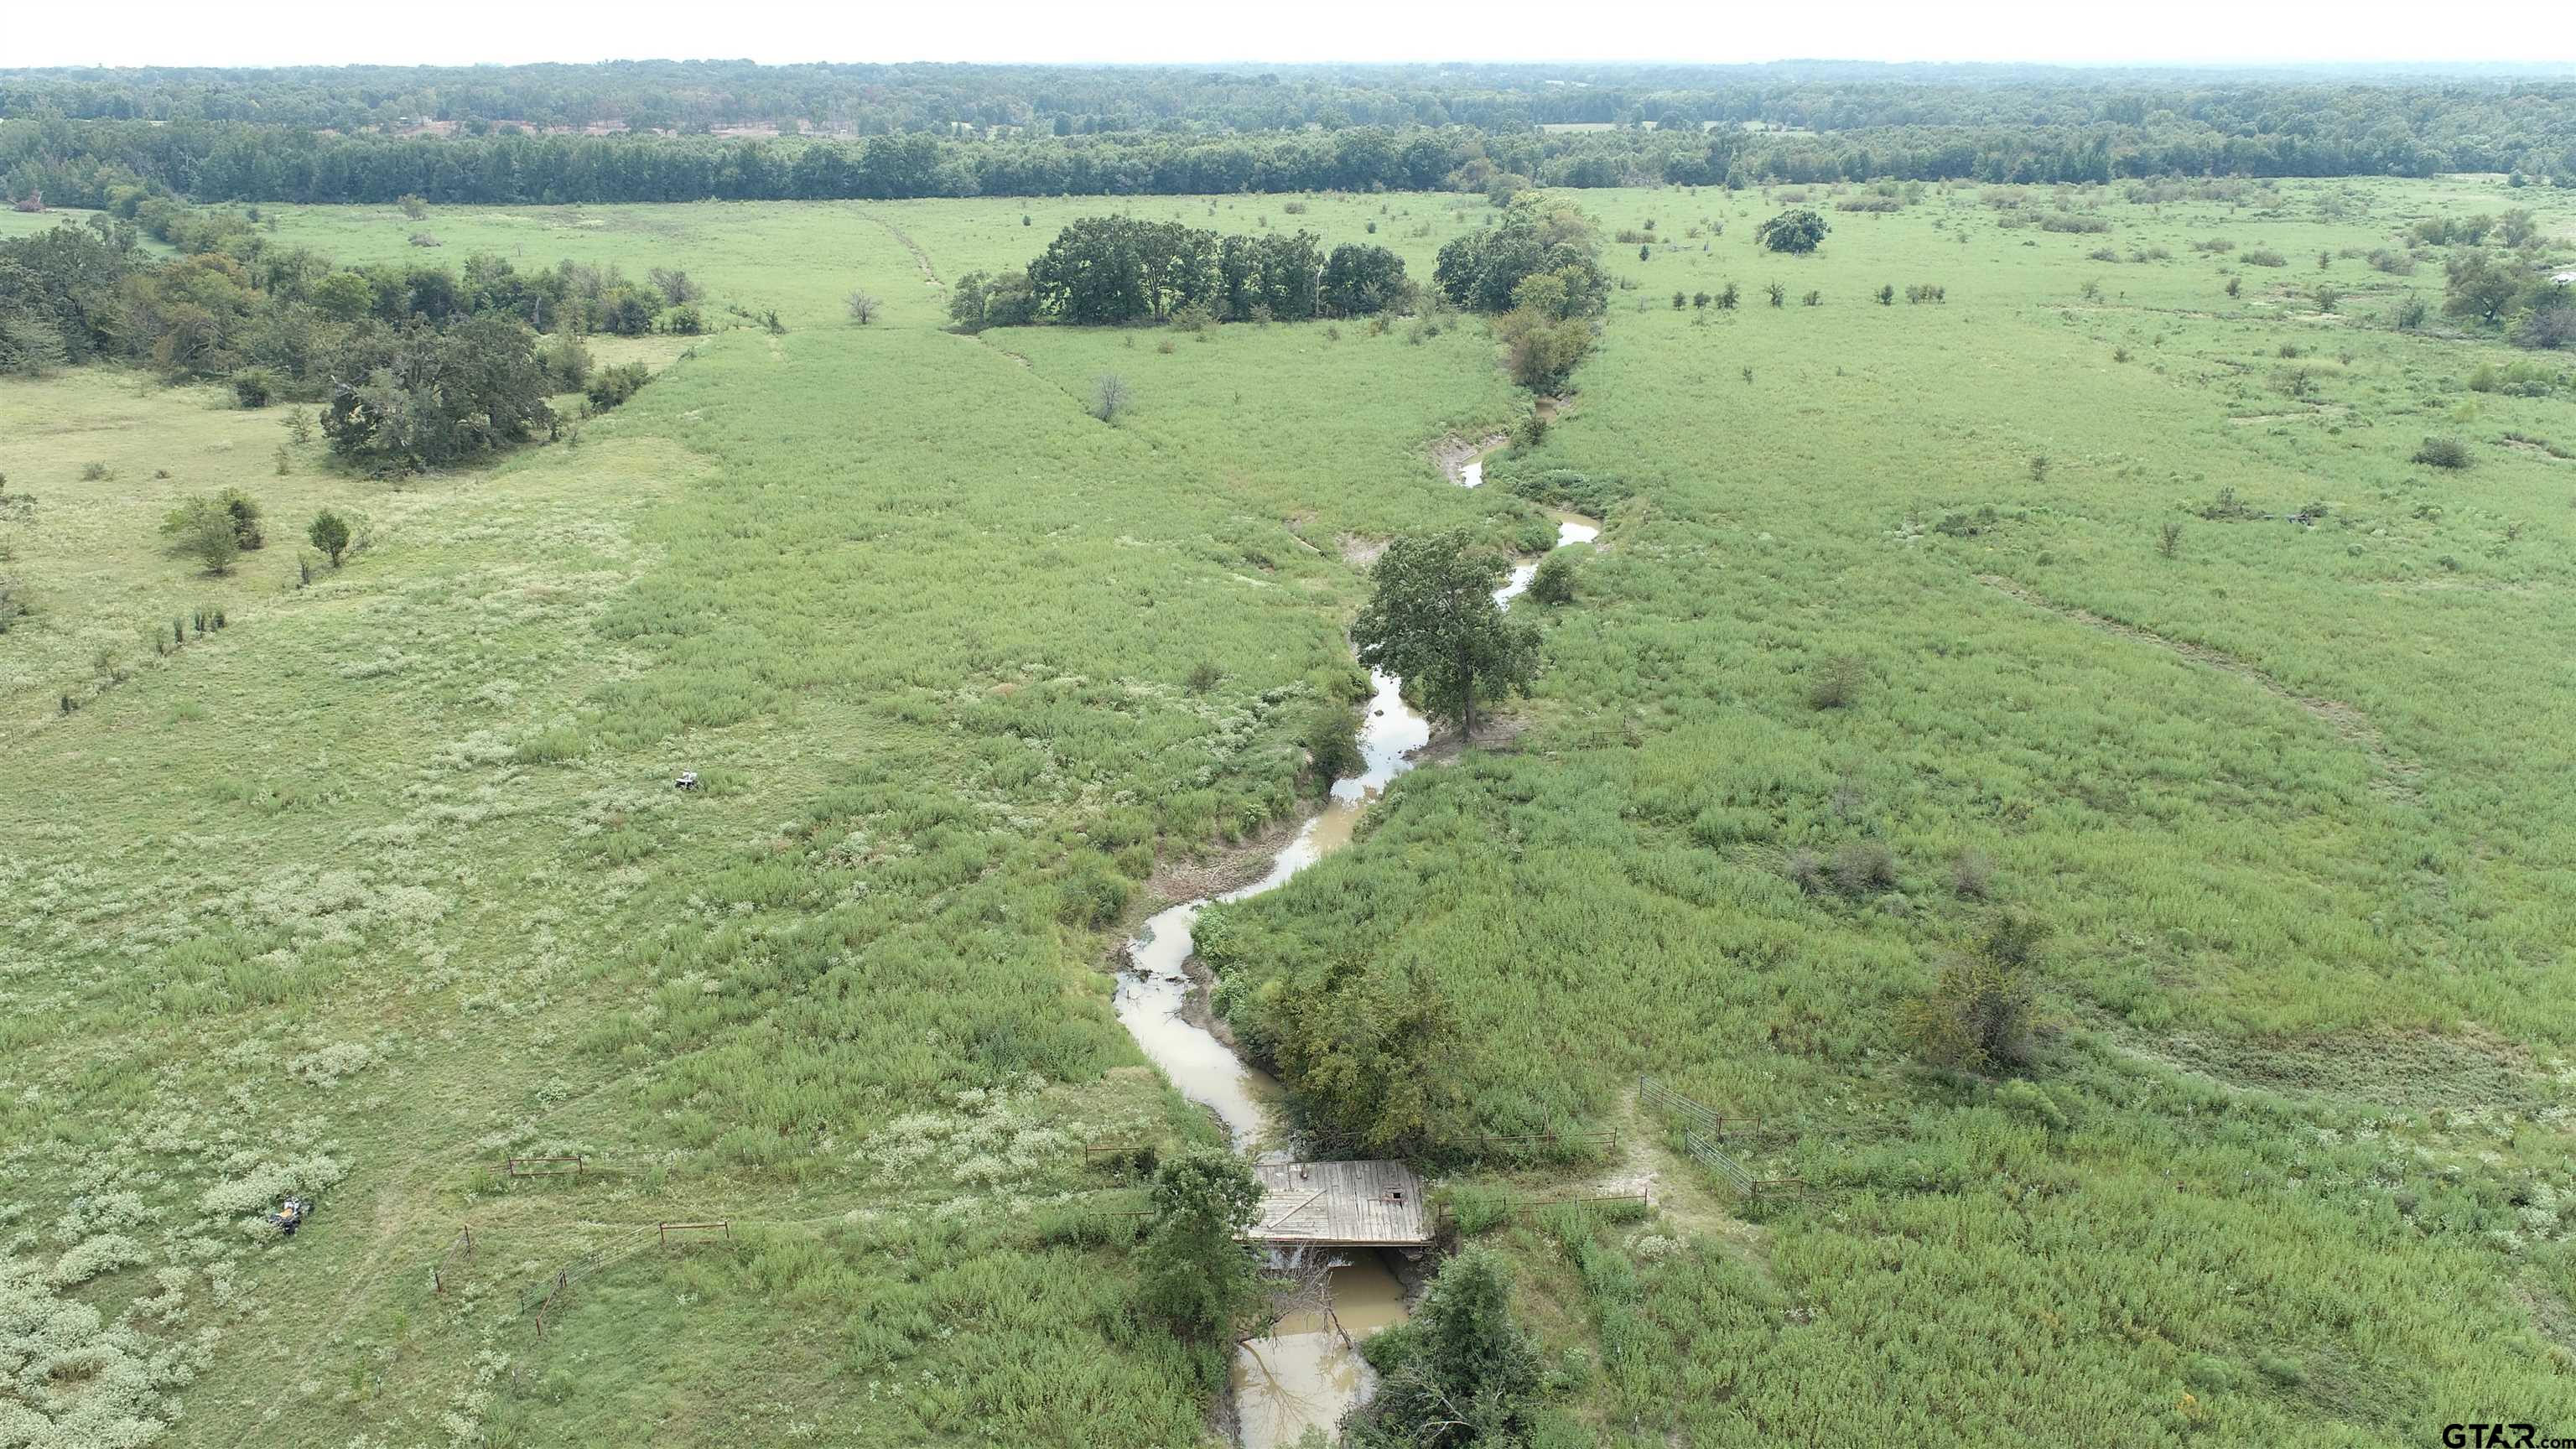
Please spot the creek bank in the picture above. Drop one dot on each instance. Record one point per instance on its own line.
(1462, 460)
(1306, 1372)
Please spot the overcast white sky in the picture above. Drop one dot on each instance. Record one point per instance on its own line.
(292, 32)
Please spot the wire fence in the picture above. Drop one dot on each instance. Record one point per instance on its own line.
(1702, 1131)
(1579, 1142)
(1708, 1123)
(545, 1167)
(1719, 1159)
(1582, 1143)
(459, 1252)
(1643, 1199)
(553, 1294)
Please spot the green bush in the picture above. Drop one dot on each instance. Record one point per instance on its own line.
(1091, 893)
(2443, 452)
(214, 530)
(612, 386)
(1835, 682)
(1477, 1208)
(567, 363)
(1864, 867)
(1553, 582)
(2281, 1369)
(2209, 1373)
(254, 387)
(329, 533)
(1979, 1015)
(1332, 742)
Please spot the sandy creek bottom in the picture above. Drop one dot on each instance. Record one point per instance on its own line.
(1308, 1372)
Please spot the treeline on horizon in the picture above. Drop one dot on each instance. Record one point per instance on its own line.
(890, 99)
(1029, 131)
(83, 163)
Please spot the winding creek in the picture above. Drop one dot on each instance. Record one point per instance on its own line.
(1308, 1371)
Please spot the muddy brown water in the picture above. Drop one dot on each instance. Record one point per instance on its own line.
(1308, 1371)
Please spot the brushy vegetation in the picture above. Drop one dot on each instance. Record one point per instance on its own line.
(389, 881)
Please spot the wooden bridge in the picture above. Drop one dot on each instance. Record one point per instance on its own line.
(1359, 1204)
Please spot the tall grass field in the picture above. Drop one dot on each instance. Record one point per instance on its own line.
(2089, 577)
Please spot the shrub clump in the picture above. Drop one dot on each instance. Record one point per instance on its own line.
(1553, 582)
(1836, 682)
(1864, 867)
(2443, 452)
(215, 530)
(1978, 1016)
(611, 386)
(1465, 1350)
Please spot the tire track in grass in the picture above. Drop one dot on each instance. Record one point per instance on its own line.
(920, 258)
(2399, 774)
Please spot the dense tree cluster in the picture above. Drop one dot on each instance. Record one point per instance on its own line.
(1539, 273)
(270, 317)
(418, 367)
(576, 134)
(2509, 284)
(1114, 269)
(2096, 124)
(1482, 270)
(420, 396)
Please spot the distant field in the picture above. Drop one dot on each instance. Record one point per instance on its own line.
(21, 223)
(389, 871)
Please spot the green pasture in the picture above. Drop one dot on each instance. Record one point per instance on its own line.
(385, 882)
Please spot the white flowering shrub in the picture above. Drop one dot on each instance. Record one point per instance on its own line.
(259, 1188)
(106, 1212)
(325, 1068)
(992, 1137)
(92, 1256)
(74, 1380)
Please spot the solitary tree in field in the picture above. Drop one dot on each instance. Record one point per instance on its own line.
(330, 533)
(203, 529)
(863, 308)
(1798, 232)
(1110, 397)
(1979, 1016)
(1194, 1273)
(1470, 1374)
(1433, 621)
(2480, 289)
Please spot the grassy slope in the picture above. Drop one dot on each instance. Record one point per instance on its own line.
(924, 627)
(2310, 963)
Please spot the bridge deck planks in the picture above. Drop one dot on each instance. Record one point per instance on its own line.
(1371, 1203)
